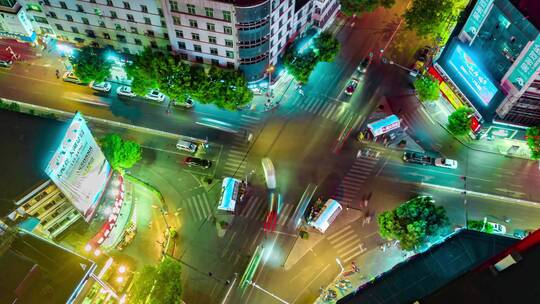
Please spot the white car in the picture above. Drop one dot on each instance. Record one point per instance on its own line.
(497, 228)
(70, 77)
(6, 63)
(155, 95)
(125, 91)
(446, 163)
(101, 86)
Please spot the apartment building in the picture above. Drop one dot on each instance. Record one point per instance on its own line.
(248, 35)
(14, 22)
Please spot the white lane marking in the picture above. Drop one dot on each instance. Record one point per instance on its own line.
(335, 234)
(341, 237)
(360, 249)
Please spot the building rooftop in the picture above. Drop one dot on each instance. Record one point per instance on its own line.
(34, 269)
(28, 143)
(428, 271)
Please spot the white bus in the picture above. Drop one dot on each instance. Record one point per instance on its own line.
(232, 190)
(269, 173)
(326, 216)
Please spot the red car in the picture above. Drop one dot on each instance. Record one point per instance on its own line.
(351, 86)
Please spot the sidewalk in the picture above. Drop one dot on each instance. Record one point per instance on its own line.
(504, 140)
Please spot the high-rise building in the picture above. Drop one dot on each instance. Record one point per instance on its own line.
(14, 22)
(248, 35)
(493, 63)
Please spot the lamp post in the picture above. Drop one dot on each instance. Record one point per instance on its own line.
(269, 70)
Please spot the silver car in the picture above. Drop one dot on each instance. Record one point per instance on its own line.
(155, 95)
(125, 91)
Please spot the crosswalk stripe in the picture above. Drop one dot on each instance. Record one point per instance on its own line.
(261, 214)
(312, 106)
(285, 214)
(344, 235)
(355, 176)
(254, 204)
(358, 252)
(364, 165)
(248, 207)
(338, 232)
(204, 203)
(334, 111)
(317, 107)
(347, 244)
(324, 109)
(237, 152)
(349, 182)
(196, 207)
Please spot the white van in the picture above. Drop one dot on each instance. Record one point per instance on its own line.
(186, 146)
(326, 215)
(269, 173)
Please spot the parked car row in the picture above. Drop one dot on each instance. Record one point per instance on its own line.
(423, 159)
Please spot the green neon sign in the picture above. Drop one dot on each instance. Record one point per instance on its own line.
(527, 66)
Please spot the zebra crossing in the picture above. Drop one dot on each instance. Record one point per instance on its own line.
(355, 178)
(346, 243)
(199, 207)
(256, 209)
(234, 159)
(323, 107)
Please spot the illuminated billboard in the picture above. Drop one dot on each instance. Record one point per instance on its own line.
(472, 75)
(79, 168)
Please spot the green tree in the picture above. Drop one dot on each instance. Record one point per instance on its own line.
(142, 284)
(121, 154)
(427, 88)
(326, 47)
(301, 65)
(350, 7)
(412, 222)
(143, 72)
(459, 122)
(434, 18)
(227, 89)
(533, 140)
(91, 64)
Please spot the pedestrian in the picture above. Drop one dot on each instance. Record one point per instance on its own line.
(57, 73)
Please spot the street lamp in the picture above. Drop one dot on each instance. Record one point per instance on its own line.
(269, 70)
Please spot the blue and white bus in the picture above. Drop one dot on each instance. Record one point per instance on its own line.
(232, 191)
(326, 215)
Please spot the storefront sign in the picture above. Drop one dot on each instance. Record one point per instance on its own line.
(527, 66)
(384, 125)
(476, 19)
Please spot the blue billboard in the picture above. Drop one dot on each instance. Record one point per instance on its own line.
(472, 75)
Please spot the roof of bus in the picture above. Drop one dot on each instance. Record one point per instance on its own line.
(227, 202)
(329, 209)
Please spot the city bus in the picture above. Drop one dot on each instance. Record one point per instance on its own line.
(326, 215)
(232, 191)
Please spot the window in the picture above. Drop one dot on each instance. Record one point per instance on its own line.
(227, 30)
(213, 51)
(163, 23)
(215, 61)
(121, 38)
(192, 23)
(230, 65)
(101, 23)
(153, 44)
(211, 27)
(195, 36)
(69, 18)
(181, 45)
(74, 29)
(183, 56)
(59, 27)
(130, 18)
(199, 59)
(114, 15)
(191, 9)
(150, 33)
(118, 27)
(138, 41)
(126, 5)
(47, 2)
(85, 20)
(53, 15)
(176, 20)
(174, 6)
(212, 39)
(109, 3)
(80, 8)
(230, 54)
(228, 42)
(144, 8)
(106, 36)
(40, 19)
(160, 12)
(134, 30)
(227, 16)
(165, 35)
(179, 34)
(126, 50)
(90, 34)
(197, 48)
(147, 20)
(209, 12)
(63, 5)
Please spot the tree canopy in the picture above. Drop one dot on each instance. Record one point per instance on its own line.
(178, 79)
(158, 284)
(434, 18)
(427, 88)
(300, 65)
(533, 141)
(350, 7)
(326, 47)
(91, 64)
(412, 222)
(121, 154)
(459, 122)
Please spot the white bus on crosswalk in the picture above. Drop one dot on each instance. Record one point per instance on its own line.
(326, 216)
(232, 190)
